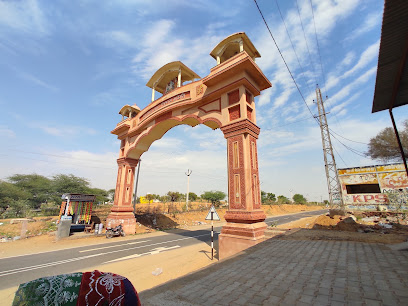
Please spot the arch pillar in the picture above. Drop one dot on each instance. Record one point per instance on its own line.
(245, 226)
(122, 210)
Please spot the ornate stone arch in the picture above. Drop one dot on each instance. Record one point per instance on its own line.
(155, 132)
(223, 99)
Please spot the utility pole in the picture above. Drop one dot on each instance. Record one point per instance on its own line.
(137, 181)
(333, 185)
(188, 173)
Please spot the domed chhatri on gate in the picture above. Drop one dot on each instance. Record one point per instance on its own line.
(223, 99)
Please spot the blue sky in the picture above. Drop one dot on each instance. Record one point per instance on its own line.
(67, 67)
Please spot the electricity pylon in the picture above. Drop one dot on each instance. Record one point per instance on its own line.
(333, 185)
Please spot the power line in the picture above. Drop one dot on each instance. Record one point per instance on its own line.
(293, 47)
(347, 138)
(281, 125)
(320, 58)
(340, 156)
(318, 48)
(287, 67)
(359, 153)
(307, 45)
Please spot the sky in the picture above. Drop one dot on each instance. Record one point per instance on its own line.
(67, 67)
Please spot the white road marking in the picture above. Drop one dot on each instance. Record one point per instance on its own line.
(153, 252)
(113, 246)
(30, 268)
(25, 269)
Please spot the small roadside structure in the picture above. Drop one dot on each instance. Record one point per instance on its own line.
(75, 213)
(374, 187)
(77, 206)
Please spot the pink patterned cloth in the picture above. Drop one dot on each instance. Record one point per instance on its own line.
(99, 288)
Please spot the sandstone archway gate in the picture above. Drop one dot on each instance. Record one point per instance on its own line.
(224, 99)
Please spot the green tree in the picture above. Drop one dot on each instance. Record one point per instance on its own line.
(37, 186)
(271, 197)
(164, 199)
(174, 196)
(149, 197)
(268, 197)
(17, 209)
(263, 197)
(283, 200)
(68, 183)
(9, 194)
(102, 195)
(384, 145)
(156, 196)
(214, 197)
(192, 196)
(299, 199)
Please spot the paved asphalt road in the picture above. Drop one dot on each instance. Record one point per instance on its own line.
(19, 269)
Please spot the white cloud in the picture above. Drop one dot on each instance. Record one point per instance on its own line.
(266, 96)
(338, 74)
(167, 142)
(272, 136)
(160, 45)
(25, 16)
(370, 22)
(36, 81)
(350, 56)
(346, 90)
(341, 107)
(6, 132)
(59, 130)
(99, 168)
(115, 38)
(328, 13)
(366, 57)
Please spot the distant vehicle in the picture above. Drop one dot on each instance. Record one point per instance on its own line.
(116, 231)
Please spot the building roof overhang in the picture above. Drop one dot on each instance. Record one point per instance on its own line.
(168, 72)
(231, 67)
(126, 109)
(248, 45)
(391, 88)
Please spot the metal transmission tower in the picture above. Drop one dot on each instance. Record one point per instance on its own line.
(333, 184)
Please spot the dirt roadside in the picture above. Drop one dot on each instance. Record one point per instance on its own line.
(173, 264)
(179, 262)
(188, 221)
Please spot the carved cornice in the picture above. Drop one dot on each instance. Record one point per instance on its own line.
(121, 128)
(127, 161)
(245, 216)
(241, 127)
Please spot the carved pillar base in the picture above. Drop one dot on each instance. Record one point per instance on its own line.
(122, 209)
(236, 237)
(127, 219)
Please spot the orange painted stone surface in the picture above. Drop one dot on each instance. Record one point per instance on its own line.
(223, 100)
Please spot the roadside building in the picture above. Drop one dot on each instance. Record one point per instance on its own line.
(376, 187)
(145, 200)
